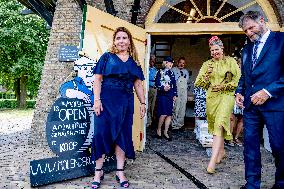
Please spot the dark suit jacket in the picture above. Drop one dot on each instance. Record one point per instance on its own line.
(268, 73)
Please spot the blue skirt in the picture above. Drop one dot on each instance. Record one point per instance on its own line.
(165, 105)
(114, 125)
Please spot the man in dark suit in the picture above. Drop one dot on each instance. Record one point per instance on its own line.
(261, 93)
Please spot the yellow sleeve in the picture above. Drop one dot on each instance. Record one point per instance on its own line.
(200, 81)
(232, 85)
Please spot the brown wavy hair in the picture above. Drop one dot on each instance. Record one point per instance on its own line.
(131, 49)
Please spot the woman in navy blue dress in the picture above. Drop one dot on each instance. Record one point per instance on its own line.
(167, 93)
(116, 73)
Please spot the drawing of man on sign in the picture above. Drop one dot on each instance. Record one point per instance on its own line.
(81, 88)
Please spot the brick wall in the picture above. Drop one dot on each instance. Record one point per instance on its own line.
(145, 8)
(278, 6)
(65, 30)
(124, 6)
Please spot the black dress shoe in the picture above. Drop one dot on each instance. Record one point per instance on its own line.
(168, 138)
(158, 136)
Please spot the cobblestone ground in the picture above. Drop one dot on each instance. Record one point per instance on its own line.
(148, 171)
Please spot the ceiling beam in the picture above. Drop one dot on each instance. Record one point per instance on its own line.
(46, 8)
(40, 8)
(110, 7)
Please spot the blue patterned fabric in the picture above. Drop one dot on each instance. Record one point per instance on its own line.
(114, 124)
(77, 84)
(165, 98)
(200, 102)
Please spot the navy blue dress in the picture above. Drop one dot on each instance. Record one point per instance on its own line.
(165, 98)
(114, 124)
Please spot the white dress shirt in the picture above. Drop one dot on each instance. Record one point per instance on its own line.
(262, 41)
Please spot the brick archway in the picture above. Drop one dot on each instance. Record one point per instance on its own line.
(200, 27)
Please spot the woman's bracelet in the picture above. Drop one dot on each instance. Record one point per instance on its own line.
(97, 99)
(143, 103)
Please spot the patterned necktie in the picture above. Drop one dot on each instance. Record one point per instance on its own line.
(254, 55)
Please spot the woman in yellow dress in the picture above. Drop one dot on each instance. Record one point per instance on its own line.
(219, 76)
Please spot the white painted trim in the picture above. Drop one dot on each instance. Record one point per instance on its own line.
(146, 83)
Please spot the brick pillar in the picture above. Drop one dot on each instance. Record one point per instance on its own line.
(65, 30)
(99, 4)
(278, 6)
(145, 8)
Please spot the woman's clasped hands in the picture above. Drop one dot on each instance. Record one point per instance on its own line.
(167, 87)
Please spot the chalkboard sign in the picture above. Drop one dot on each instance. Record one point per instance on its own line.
(68, 53)
(50, 170)
(67, 126)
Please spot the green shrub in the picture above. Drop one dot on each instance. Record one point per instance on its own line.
(7, 95)
(31, 103)
(12, 103)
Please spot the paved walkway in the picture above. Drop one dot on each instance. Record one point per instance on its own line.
(184, 167)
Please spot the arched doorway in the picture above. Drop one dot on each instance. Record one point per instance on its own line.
(192, 17)
(181, 28)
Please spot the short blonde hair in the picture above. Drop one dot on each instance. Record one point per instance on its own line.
(164, 63)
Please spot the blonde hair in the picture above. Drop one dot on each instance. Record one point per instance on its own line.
(131, 49)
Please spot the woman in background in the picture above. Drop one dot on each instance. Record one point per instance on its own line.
(166, 95)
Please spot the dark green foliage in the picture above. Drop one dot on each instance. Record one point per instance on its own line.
(7, 95)
(23, 43)
(12, 103)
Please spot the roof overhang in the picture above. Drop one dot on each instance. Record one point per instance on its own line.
(45, 8)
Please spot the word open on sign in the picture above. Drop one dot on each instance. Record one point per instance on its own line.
(67, 126)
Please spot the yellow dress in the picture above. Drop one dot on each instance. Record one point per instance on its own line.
(219, 104)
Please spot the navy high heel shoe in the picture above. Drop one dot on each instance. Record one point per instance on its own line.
(96, 184)
(124, 184)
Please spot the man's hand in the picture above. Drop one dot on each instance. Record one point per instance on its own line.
(259, 97)
(239, 100)
(210, 69)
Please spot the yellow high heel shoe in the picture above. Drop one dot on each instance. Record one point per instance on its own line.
(210, 171)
